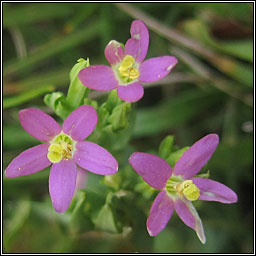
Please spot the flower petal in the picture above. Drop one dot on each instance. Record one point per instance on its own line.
(81, 180)
(190, 217)
(98, 77)
(137, 46)
(30, 161)
(211, 190)
(160, 213)
(156, 68)
(114, 52)
(62, 182)
(81, 122)
(196, 156)
(94, 158)
(38, 124)
(130, 93)
(153, 169)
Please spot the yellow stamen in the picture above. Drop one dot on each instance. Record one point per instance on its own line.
(55, 148)
(189, 190)
(54, 157)
(57, 152)
(126, 68)
(127, 62)
(134, 73)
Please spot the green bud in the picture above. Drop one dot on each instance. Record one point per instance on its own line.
(91, 102)
(119, 117)
(166, 147)
(77, 91)
(103, 115)
(52, 99)
(112, 101)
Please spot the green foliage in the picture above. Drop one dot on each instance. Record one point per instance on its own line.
(62, 105)
(208, 91)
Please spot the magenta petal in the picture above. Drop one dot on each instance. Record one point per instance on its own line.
(114, 52)
(81, 180)
(81, 122)
(153, 169)
(160, 213)
(196, 156)
(130, 93)
(94, 158)
(156, 68)
(98, 77)
(30, 161)
(38, 124)
(62, 182)
(190, 217)
(211, 190)
(137, 46)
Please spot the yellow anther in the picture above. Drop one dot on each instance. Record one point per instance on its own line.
(54, 157)
(189, 190)
(192, 192)
(57, 152)
(134, 73)
(126, 68)
(55, 148)
(127, 62)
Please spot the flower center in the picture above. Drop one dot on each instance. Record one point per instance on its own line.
(175, 185)
(62, 147)
(127, 70)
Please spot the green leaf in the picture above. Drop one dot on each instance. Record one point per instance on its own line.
(242, 49)
(239, 48)
(119, 118)
(113, 181)
(91, 102)
(80, 221)
(20, 215)
(173, 112)
(103, 116)
(166, 147)
(239, 71)
(175, 156)
(50, 49)
(15, 137)
(112, 101)
(106, 220)
(26, 96)
(32, 13)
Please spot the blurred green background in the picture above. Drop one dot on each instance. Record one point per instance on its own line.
(209, 91)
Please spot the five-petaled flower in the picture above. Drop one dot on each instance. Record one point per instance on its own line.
(179, 186)
(64, 149)
(128, 69)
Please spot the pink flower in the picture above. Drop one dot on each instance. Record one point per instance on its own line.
(179, 186)
(64, 149)
(128, 70)
(81, 179)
